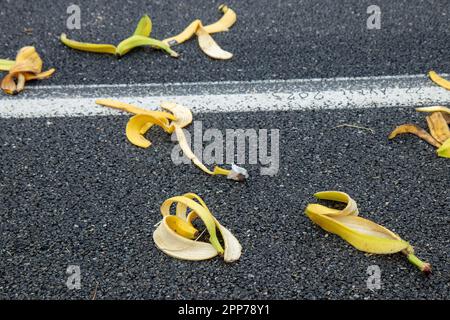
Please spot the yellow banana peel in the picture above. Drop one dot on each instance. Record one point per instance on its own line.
(138, 41)
(89, 47)
(26, 67)
(439, 80)
(140, 37)
(442, 109)
(203, 33)
(185, 35)
(144, 27)
(174, 235)
(209, 46)
(6, 65)
(223, 24)
(361, 233)
(182, 227)
(175, 119)
(438, 123)
(444, 150)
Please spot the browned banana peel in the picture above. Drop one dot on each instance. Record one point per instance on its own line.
(203, 33)
(26, 67)
(177, 237)
(439, 135)
(173, 119)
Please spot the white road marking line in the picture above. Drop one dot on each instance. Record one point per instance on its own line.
(230, 96)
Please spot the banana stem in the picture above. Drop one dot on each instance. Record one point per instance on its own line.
(423, 266)
(221, 171)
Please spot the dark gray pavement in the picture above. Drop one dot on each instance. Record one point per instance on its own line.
(73, 191)
(271, 40)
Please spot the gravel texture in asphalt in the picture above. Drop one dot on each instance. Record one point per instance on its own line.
(271, 39)
(75, 192)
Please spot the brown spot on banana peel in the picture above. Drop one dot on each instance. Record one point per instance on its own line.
(416, 130)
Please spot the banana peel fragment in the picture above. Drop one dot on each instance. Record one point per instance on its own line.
(222, 25)
(209, 46)
(361, 233)
(203, 33)
(6, 65)
(175, 234)
(26, 67)
(140, 37)
(438, 123)
(444, 83)
(173, 119)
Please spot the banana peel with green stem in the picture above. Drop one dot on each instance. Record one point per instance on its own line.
(177, 237)
(26, 67)
(363, 234)
(141, 37)
(172, 119)
(438, 123)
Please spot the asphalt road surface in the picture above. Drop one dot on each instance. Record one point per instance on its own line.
(73, 191)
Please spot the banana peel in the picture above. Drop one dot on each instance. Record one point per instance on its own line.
(140, 37)
(176, 233)
(361, 233)
(440, 81)
(174, 118)
(438, 123)
(26, 67)
(222, 25)
(203, 33)
(209, 46)
(6, 65)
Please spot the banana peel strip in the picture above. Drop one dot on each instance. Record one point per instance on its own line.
(444, 150)
(438, 123)
(174, 120)
(444, 83)
(88, 47)
(183, 117)
(416, 130)
(6, 65)
(140, 37)
(227, 20)
(139, 41)
(209, 46)
(443, 110)
(26, 67)
(438, 127)
(434, 109)
(174, 244)
(361, 233)
(138, 126)
(144, 27)
(233, 248)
